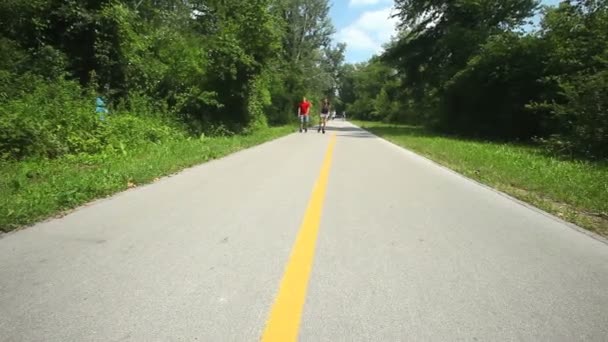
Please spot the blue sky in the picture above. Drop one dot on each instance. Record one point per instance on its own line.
(364, 25)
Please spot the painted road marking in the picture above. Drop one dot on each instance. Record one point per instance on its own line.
(284, 320)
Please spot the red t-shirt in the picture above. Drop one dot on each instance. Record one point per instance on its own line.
(304, 107)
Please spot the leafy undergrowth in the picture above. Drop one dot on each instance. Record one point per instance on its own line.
(33, 190)
(576, 191)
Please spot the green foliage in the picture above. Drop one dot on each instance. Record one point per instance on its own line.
(259, 99)
(184, 82)
(463, 68)
(382, 105)
(582, 117)
(125, 131)
(371, 91)
(212, 67)
(51, 120)
(309, 63)
(577, 72)
(444, 34)
(488, 97)
(57, 118)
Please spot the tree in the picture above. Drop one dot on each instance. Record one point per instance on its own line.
(442, 35)
(576, 36)
(217, 66)
(369, 90)
(308, 63)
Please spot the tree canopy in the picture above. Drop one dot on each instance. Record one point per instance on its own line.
(208, 65)
(470, 67)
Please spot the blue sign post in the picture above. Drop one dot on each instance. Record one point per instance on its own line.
(101, 108)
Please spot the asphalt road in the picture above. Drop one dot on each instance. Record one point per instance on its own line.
(404, 250)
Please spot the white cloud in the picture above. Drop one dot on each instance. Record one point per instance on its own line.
(358, 3)
(357, 39)
(369, 31)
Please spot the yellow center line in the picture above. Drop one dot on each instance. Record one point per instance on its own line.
(284, 320)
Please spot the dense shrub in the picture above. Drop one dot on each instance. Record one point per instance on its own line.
(59, 117)
(50, 120)
(582, 118)
(211, 67)
(472, 69)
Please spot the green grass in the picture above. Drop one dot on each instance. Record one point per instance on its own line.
(34, 190)
(576, 191)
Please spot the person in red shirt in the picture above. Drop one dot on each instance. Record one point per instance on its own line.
(303, 113)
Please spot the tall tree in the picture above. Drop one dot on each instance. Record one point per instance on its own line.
(443, 34)
(308, 60)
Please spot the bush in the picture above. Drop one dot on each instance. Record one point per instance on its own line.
(58, 118)
(488, 97)
(128, 130)
(50, 120)
(583, 117)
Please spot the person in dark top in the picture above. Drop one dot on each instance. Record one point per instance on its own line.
(325, 107)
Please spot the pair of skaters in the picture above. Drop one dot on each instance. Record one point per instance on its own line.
(304, 114)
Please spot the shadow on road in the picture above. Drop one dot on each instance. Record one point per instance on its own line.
(413, 131)
(351, 132)
(357, 135)
(342, 129)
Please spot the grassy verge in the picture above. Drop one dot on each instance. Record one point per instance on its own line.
(573, 190)
(34, 190)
